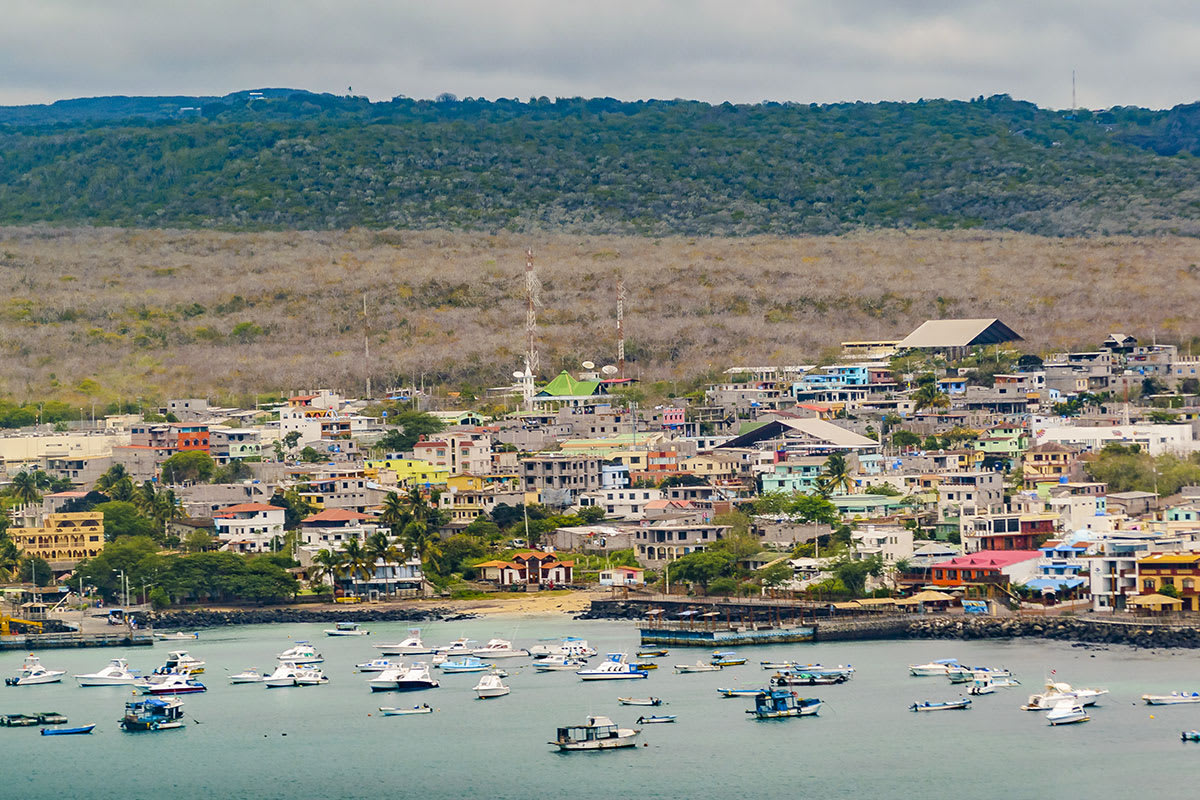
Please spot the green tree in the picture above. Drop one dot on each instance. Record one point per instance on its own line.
(190, 466)
(835, 476)
(412, 426)
(458, 550)
(701, 567)
(723, 586)
(36, 570)
(591, 514)
(123, 519)
(775, 575)
(357, 561)
(1168, 590)
(310, 456)
(853, 573)
(325, 564)
(291, 439)
(928, 395)
(24, 488)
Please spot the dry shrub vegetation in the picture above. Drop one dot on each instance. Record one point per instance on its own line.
(117, 314)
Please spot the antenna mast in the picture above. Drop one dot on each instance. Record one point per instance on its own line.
(621, 326)
(532, 301)
(367, 345)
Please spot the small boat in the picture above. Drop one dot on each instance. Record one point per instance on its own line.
(740, 692)
(499, 648)
(377, 665)
(346, 629)
(639, 701)
(699, 666)
(465, 664)
(404, 679)
(68, 731)
(981, 687)
(1054, 692)
(250, 675)
(172, 683)
(1067, 712)
(645, 664)
(155, 714)
(653, 652)
(805, 679)
(391, 711)
(490, 686)
(1190, 736)
(289, 674)
(962, 674)
(1172, 699)
(559, 664)
(727, 659)
(570, 646)
(811, 669)
(176, 636)
(656, 719)
(300, 653)
(951, 705)
(117, 673)
(311, 676)
(614, 668)
(779, 704)
(599, 733)
(411, 646)
(937, 668)
(178, 661)
(33, 673)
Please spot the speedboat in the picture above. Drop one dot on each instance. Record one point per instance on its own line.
(699, 666)
(639, 701)
(465, 664)
(558, 664)
(499, 648)
(652, 652)
(780, 703)
(300, 653)
(459, 647)
(1055, 692)
(655, 719)
(568, 646)
(725, 658)
(389, 711)
(155, 714)
(951, 705)
(412, 646)
(1067, 712)
(171, 683)
(33, 673)
(377, 665)
(599, 733)
(740, 692)
(1172, 699)
(180, 662)
(346, 629)
(404, 679)
(250, 675)
(937, 668)
(115, 674)
(981, 686)
(613, 668)
(490, 686)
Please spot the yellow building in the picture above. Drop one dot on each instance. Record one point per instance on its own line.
(63, 539)
(411, 472)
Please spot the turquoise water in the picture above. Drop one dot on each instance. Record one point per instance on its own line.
(865, 744)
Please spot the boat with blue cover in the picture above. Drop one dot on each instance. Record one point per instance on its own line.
(727, 658)
(465, 664)
(1172, 699)
(613, 668)
(780, 704)
(68, 731)
(154, 714)
(950, 705)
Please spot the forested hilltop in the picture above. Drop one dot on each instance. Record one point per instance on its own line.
(289, 159)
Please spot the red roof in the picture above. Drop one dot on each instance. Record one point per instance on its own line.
(989, 559)
(337, 515)
(531, 554)
(553, 564)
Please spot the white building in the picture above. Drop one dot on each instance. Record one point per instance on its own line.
(248, 527)
(891, 543)
(621, 503)
(1154, 439)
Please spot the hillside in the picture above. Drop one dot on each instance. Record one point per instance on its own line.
(296, 160)
(111, 314)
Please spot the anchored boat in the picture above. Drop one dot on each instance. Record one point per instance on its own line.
(33, 673)
(614, 668)
(1066, 713)
(951, 705)
(173, 683)
(490, 686)
(117, 673)
(412, 646)
(934, 668)
(779, 704)
(250, 675)
(301, 653)
(390, 711)
(656, 719)
(600, 733)
(1055, 692)
(68, 731)
(346, 629)
(155, 714)
(1172, 699)
(639, 701)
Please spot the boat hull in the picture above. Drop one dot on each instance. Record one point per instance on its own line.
(940, 706)
(1170, 700)
(600, 744)
(613, 676)
(68, 731)
(105, 680)
(34, 681)
(639, 701)
(404, 712)
(487, 694)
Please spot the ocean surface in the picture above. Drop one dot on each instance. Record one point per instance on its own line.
(329, 741)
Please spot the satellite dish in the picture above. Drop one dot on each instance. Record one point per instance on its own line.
(609, 369)
(589, 365)
(518, 374)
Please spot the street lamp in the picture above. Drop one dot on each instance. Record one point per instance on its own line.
(124, 589)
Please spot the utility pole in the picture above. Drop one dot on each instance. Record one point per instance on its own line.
(367, 346)
(620, 326)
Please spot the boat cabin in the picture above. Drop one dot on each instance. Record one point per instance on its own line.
(596, 729)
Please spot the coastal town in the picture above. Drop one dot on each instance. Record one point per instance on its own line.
(946, 466)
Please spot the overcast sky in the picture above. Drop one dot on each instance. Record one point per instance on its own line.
(1140, 53)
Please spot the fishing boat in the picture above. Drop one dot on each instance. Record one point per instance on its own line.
(155, 714)
(1172, 699)
(779, 704)
(570, 646)
(613, 668)
(740, 692)
(300, 653)
(599, 733)
(656, 719)
(962, 674)
(805, 679)
(346, 629)
(391, 711)
(639, 701)
(645, 665)
(559, 664)
(404, 679)
(490, 686)
(459, 647)
(811, 669)
(1066, 713)
(179, 661)
(464, 664)
(411, 646)
(172, 683)
(1054, 692)
(938, 668)
(1190, 736)
(981, 687)
(176, 636)
(652, 652)
(377, 665)
(33, 673)
(499, 648)
(117, 673)
(699, 666)
(950, 705)
(250, 675)
(68, 731)
(726, 658)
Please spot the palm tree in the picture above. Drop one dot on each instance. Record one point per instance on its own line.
(325, 564)
(395, 513)
(382, 548)
(115, 473)
(836, 475)
(10, 557)
(144, 497)
(165, 509)
(356, 561)
(928, 395)
(25, 488)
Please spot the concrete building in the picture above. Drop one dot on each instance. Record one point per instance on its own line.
(568, 475)
(248, 527)
(663, 541)
(63, 540)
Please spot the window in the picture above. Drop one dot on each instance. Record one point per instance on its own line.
(1148, 584)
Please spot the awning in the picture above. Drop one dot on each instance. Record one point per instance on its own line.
(926, 597)
(1153, 600)
(1054, 584)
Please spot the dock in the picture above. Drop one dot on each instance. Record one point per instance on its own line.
(121, 637)
(679, 636)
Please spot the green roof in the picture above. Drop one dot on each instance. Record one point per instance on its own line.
(564, 385)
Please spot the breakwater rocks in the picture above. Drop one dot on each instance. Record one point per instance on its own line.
(1074, 629)
(190, 620)
(613, 609)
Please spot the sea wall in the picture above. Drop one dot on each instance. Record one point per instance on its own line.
(211, 618)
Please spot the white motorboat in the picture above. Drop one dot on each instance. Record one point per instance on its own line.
(404, 679)
(699, 666)
(378, 665)
(639, 701)
(939, 668)
(117, 673)
(176, 636)
(961, 674)
(412, 646)
(1056, 692)
(1067, 712)
(33, 673)
(179, 661)
(300, 653)
(346, 629)
(570, 646)
(250, 675)
(311, 676)
(458, 647)
(809, 669)
(1172, 699)
(490, 686)
(286, 674)
(600, 733)
(559, 664)
(498, 648)
(614, 667)
(390, 711)
(170, 683)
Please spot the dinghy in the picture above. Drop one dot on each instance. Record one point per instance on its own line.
(389, 711)
(962, 703)
(658, 718)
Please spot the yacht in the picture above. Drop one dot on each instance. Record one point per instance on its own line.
(1056, 692)
(170, 683)
(558, 664)
(346, 629)
(292, 674)
(179, 661)
(459, 647)
(600, 733)
(613, 668)
(311, 676)
(412, 646)
(490, 686)
(937, 668)
(250, 675)
(301, 653)
(410, 678)
(499, 648)
(155, 714)
(117, 673)
(33, 673)
(570, 646)
(377, 665)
